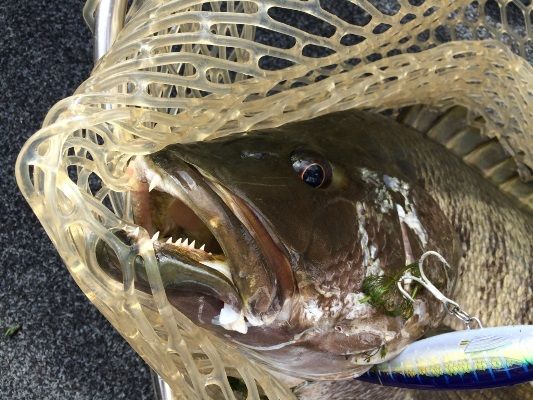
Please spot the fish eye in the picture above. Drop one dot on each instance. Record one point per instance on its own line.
(313, 169)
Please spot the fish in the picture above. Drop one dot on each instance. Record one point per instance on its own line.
(468, 359)
(265, 238)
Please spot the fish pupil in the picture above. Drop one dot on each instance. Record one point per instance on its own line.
(312, 168)
(313, 175)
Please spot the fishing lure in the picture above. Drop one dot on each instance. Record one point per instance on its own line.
(469, 359)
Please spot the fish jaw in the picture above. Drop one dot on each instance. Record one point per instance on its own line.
(245, 253)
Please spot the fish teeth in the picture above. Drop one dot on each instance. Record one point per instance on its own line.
(182, 242)
(155, 237)
(156, 180)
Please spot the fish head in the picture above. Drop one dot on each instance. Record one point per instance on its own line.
(291, 223)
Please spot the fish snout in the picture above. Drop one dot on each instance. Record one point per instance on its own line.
(209, 245)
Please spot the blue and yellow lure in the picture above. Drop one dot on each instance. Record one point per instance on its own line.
(469, 359)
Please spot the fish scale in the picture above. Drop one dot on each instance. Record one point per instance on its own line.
(509, 239)
(495, 228)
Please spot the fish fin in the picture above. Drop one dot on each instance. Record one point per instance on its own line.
(419, 117)
(358, 390)
(491, 156)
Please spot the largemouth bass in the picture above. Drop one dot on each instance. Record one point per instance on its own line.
(265, 238)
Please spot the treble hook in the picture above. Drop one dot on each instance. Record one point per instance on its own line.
(450, 306)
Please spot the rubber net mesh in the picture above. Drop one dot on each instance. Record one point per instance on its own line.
(190, 70)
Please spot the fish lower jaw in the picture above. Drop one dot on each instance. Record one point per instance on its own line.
(228, 318)
(185, 247)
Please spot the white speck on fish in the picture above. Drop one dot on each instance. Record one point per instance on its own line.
(335, 307)
(383, 198)
(370, 262)
(312, 311)
(352, 302)
(369, 176)
(408, 216)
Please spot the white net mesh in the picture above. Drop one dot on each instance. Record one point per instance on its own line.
(188, 70)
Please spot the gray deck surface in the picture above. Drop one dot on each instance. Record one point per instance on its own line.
(66, 348)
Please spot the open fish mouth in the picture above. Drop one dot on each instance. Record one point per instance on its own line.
(160, 206)
(210, 243)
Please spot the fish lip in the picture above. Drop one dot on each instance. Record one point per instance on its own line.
(275, 252)
(238, 206)
(144, 172)
(243, 210)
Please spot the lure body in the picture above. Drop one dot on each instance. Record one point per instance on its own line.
(470, 359)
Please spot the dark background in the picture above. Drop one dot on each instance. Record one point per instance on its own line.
(66, 349)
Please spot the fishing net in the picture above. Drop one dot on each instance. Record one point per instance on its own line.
(189, 70)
